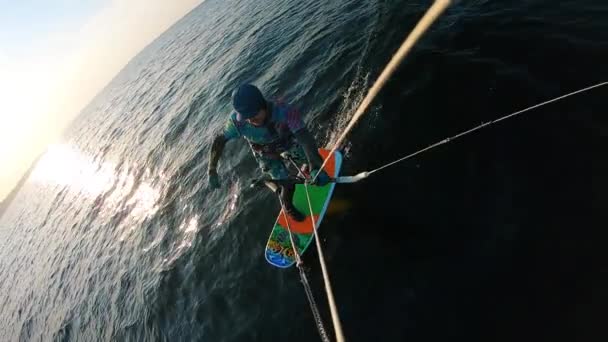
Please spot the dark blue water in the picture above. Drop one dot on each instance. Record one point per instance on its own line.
(493, 237)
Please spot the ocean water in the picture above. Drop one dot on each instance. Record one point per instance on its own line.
(116, 236)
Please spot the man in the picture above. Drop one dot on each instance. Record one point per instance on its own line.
(269, 128)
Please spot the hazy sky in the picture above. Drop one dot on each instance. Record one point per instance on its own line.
(55, 56)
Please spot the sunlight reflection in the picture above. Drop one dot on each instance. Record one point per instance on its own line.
(230, 208)
(63, 165)
(191, 225)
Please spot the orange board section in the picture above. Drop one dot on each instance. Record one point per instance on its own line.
(304, 227)
(330, 166)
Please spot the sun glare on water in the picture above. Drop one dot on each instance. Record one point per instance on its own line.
(63, 165)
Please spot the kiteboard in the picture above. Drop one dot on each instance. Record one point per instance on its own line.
(279, 251)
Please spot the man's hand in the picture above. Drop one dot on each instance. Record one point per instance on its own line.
(321, 177)
(214, 179)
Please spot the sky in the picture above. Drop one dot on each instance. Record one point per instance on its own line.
(55, 56)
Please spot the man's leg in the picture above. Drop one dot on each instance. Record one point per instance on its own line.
(277, 171)
(286, 194)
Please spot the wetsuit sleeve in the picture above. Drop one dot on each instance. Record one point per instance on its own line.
(230, 131)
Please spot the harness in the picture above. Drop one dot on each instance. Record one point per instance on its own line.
(272, 149)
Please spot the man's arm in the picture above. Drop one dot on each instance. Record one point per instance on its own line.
(214, 156)
(308, 143)
(216, 152)
(229, 132)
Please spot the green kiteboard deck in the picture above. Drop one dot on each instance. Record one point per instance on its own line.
(279, 251)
